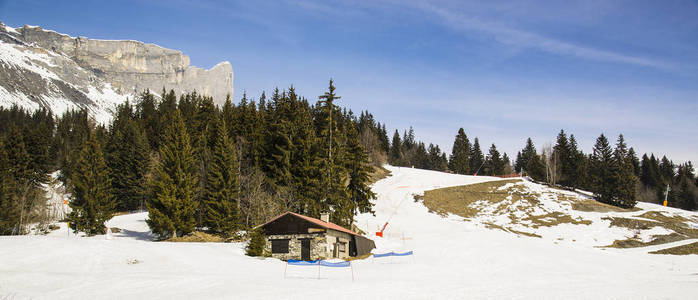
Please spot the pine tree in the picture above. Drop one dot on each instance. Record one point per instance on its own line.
(459, 162)
(564, 154)
(9, 206)
(128, 158)
(435, 158)
(92, 201)
(577, 174)
(359, 181)
(395, 156)
(623, 193)
(221, 213)
(24, 189)
(635, 161)
(172, 208)
(602, 180)
(476, 158)
(494, 165)
(257, 242)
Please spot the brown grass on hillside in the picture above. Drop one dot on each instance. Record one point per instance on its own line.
(680, 250)
(197, 237)
(554, 219)
(591, 205)
(506, 229)
(674, 223)
(378, 174)
(458, 199)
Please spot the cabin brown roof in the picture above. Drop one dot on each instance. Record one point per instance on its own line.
(321, 223)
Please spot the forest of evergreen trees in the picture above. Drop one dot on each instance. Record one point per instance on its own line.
(192, 165)
(615, 175)
(196, 166)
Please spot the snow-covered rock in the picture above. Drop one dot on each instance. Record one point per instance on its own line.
(44, 69)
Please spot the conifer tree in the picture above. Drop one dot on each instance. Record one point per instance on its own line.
(395, 156)
(494, 165)
(459, 161)
(623, 176)
(359, 181)
(603, 168)
(92, 201)
(220, 199)
(24, 186)
(563, 152)
(576, 175)
(476, 157)
(128, 158)
(172, 208)
(257, 242)
(635, 161)
(9, 206)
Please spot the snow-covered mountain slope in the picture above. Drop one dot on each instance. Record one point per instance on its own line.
(34, 77)
(454, 259)
(44, 69)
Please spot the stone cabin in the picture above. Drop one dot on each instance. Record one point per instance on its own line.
(295, 236)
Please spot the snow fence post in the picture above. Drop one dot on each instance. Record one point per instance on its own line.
(285, 268)
(352, 271)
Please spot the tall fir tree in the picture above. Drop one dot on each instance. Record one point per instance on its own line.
(128, 159)
(564, 154)
(395, 155)
(603, 168)
(494, 164)
(9, 206)
(459, 162)
(476, 157)
(221, 213)
(172, 207)
(624, 191)
(92, 201)
(359, 176)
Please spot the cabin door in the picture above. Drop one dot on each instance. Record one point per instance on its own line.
(305, 249)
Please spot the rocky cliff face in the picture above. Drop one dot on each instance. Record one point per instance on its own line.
(38, 64)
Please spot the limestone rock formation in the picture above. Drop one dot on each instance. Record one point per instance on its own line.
(44, 67)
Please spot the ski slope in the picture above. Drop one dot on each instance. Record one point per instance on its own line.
(453, 260)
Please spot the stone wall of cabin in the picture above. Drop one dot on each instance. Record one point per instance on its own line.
(318, 246)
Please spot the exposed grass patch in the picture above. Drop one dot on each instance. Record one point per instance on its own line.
(656, 240)
(458, 199)
(655, 215)
(197, 237)
(378, 174)
(493, 199)
(680, 250)
(554, 219)
(633, 224)
(505, 229)
(590, 205)
(674, 223)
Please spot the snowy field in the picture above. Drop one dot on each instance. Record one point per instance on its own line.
(453, 259)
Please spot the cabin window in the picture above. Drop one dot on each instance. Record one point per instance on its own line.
(342, 247)
(279, 246)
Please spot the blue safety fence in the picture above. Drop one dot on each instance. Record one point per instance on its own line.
(382, 254)
(341, 264)
(324, 263)
(378, 255)
(296, 262)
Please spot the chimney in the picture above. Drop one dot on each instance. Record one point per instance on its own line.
(325, 217)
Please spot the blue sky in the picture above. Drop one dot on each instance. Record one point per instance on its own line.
(502, 70)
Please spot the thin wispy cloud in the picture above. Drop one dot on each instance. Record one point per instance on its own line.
(522, 38)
